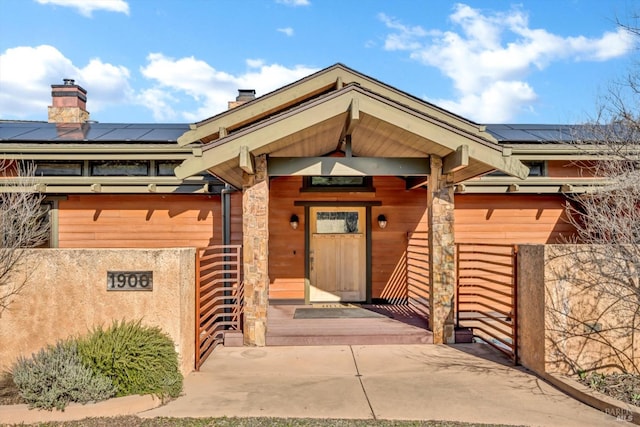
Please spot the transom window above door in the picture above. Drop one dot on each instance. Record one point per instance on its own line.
(337, 183)
(337, 222)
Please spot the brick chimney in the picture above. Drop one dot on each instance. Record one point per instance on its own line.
(69, 103)
(244, 96)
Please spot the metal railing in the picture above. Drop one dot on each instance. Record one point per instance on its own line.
(486, 294)
(418, 272)
(219, 297)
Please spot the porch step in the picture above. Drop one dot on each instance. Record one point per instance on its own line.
(303, 340)
(396, 326)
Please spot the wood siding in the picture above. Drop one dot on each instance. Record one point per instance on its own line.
(510, 218)
(569, 169)
(405, 211)
(149, 221)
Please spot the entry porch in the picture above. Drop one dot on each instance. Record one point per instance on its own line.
(339, 124)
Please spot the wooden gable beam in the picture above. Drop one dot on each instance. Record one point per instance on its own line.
(246, 161)
(457, 160)
(348, 166)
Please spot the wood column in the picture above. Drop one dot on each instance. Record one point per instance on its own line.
(442, 260)
(255, 228)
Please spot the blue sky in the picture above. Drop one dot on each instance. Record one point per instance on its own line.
(534, 61)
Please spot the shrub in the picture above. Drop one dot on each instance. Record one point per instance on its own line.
(55, 376)
(138, 359)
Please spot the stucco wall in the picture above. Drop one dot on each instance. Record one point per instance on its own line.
(574, 311)
(66, 295)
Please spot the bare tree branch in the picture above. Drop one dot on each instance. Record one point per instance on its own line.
(23, 224)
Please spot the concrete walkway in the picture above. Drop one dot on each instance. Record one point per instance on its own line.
(467, 382)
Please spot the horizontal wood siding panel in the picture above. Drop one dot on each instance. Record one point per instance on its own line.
(511, 219)
(145, 221)
(286, 245)
(569, 169)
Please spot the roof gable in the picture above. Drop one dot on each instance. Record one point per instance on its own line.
(379, 126)
(322, 82)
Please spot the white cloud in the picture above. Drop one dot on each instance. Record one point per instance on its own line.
(288, 31)
(183, 89)
(490, 55)
(28, 73)
(87, 7)
(294, 3)
(195, 81)
(494, 104)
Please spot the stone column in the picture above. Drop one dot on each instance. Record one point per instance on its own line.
(442, 260)
(255, 239)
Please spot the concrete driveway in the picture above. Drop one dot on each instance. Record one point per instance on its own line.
(465, 382)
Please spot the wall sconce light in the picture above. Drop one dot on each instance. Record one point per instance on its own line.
(293, 221)
(382, 221)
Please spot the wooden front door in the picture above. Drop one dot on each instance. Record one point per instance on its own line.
(337, 254)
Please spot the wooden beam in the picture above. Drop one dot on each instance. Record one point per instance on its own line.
(344, 166)
(354, 116)
(414, 182)
(246, 161)
(457, 160)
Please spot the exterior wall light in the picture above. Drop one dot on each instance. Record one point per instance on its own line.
(293, 221)
(382, 221)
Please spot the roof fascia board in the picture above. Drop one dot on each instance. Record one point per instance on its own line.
(125, 156)
(93, 148)
(116, 189)
(310, 86)
(110, 180)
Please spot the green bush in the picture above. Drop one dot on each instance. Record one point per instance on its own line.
(55, 376)
(138, 359)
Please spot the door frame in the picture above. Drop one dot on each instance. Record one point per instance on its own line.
(344, 272)
(307, 239)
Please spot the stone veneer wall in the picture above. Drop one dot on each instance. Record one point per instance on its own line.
(66, 295)
(67, 115)
(572, 314)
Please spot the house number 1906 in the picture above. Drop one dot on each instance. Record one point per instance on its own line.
(129, 280)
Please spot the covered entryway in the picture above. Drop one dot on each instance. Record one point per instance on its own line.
(339, 123)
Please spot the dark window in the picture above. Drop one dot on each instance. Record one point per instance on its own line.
(166, 167)
(61, 168)
(120, 168)
(337, 183)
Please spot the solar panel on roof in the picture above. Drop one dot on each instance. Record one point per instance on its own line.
(169, 134)
(514, 135)
(113, 132)
(120, 134)
(9, 132)
(552, 135)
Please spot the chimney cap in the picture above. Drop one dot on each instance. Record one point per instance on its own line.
(246, 95)
(69, 82)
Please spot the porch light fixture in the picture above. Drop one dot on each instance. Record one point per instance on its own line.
(382, 221)
(293, 221)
